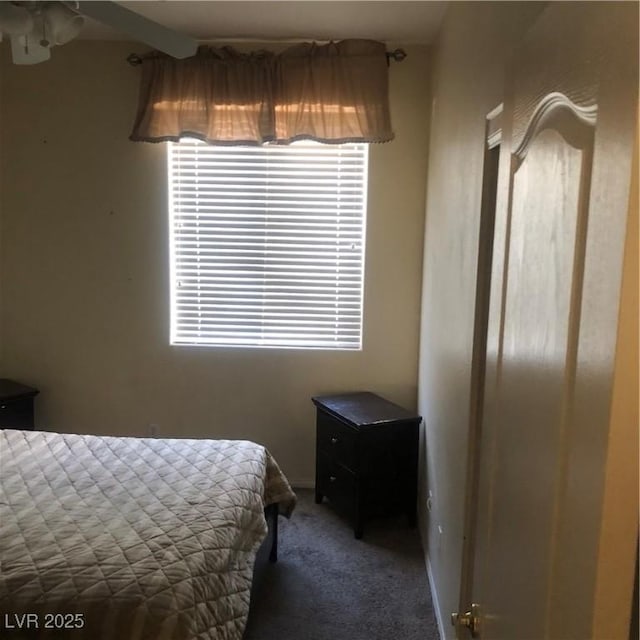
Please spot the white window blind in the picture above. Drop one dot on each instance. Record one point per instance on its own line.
(267, 244)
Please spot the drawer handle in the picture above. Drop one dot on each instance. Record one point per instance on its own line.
(334, 441)
(332, 478)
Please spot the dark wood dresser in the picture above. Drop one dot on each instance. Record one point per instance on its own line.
(366, 456)
(16, 405)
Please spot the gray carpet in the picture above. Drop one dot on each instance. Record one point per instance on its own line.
(327, 585)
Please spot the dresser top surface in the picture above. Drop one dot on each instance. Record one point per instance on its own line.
(11, 390)
(364, 408)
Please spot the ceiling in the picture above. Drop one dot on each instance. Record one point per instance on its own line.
(288, 20)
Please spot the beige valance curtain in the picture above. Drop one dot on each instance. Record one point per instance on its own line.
(331, 93)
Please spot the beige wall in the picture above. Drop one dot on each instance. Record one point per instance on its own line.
(467, 84)
(85, 274)
(1, 216)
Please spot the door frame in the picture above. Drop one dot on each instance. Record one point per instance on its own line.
(491, 163)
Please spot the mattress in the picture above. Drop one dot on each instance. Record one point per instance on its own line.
(131, 538)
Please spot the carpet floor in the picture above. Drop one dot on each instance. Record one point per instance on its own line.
(327, 585)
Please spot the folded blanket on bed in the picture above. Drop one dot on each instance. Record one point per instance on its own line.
(131, 538)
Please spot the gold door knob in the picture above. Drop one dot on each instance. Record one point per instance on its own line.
(469, 619)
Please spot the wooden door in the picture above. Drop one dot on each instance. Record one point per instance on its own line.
(561, 219)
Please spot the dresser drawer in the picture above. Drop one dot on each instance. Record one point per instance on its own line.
(335, 482)
(337, 440)
(16, 414)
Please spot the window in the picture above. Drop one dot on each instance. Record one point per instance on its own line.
(267, 244)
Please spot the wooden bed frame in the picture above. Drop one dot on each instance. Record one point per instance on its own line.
(271, 514)
(268, 550)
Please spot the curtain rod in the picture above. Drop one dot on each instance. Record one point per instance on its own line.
(397, 55)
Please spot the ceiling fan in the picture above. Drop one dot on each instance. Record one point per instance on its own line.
(34, 27)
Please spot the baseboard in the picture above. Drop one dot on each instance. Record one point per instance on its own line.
(302, 484)
(434, 599)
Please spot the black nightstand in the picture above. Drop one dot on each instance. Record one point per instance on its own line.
(16, 405)
(366, 456)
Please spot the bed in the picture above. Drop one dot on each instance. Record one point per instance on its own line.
(131, 538)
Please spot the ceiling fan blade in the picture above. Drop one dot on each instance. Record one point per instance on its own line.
(140, 28)
(14, 20)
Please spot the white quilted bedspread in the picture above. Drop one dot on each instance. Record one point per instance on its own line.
(143, 538)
